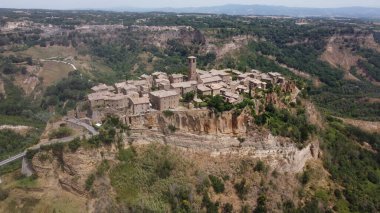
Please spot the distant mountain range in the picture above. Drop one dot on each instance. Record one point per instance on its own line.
(262, 10)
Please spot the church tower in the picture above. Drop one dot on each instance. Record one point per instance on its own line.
(192, 68)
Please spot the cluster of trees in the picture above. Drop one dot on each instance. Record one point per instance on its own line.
(66, 93)
(8, 67)
(109, 132)
(282, 122)
(352, 166)
(218, 104)
(11, 142)
(372, 63)
(347, 100)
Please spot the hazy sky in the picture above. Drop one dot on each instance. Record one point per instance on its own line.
(70, 4)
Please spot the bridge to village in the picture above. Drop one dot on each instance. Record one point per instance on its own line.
(26, 168)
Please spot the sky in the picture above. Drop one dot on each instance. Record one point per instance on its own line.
(99, 4)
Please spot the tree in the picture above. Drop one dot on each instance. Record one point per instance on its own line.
(188, 97)
(261, 205)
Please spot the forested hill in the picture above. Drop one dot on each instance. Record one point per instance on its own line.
(264, 10)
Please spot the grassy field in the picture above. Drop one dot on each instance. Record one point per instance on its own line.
(37, 52)
(52, 72)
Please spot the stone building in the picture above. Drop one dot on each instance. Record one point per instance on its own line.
(102, 88)
(184, 87)
(163, 100)
(203, 90)
(176, 78)
(139, 105)
(108, 99)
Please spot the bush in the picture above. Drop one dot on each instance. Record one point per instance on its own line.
(218, 104)
(3, 194)
(227, 208)
(241, 189)
(211, 207)
(217, 184)
(260, 166)
(261, 205)
(61, 132)
(172, 128)
(188, 97)
(74, 144)
(102, 168)
(305, 177)
(127, 155)
(89, 182)
(168, 113)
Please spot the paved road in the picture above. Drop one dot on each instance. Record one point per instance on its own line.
(55, 141)
(11, 159)
(89, 128)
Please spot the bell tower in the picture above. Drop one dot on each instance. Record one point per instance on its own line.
(192, 68)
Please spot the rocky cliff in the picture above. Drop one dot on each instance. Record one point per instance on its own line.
(195, 121)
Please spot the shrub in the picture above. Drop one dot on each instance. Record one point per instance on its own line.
(172, 128)
(217, 184)
(227, 208)
(188, 97)
(211, 207)
(305, 177)
(89, 182)
(241, 189)
(102, 168)
(127, 155)
(260, 166)
(3, 194)
(168, 113)
(61, 132)
(164, 168)
(74, 144)
(261, 205)
(245, 209)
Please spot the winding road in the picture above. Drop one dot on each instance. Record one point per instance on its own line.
(89, 128)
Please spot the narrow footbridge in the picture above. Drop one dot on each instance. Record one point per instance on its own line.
(74, 121)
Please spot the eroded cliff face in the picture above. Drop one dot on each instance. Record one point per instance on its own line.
(280, 153)
(196, 121)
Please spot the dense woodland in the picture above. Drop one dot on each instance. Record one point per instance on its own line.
(276, 41)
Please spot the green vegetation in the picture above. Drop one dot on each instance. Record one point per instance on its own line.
(218, 104)
(74, 144)
(217, 184)
(284, 123)
(90, 182)
(241, 189)
(211, 207)
(261, 205)
(352, 166)
(260, 166)
(13, 143)
(3, 194)
(153, 179)
(188, 97)
(110, 132)
(172, 128)
(61, 132)
(168, 113)
(66, 93)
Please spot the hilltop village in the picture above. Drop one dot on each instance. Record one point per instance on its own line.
(160, 91)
